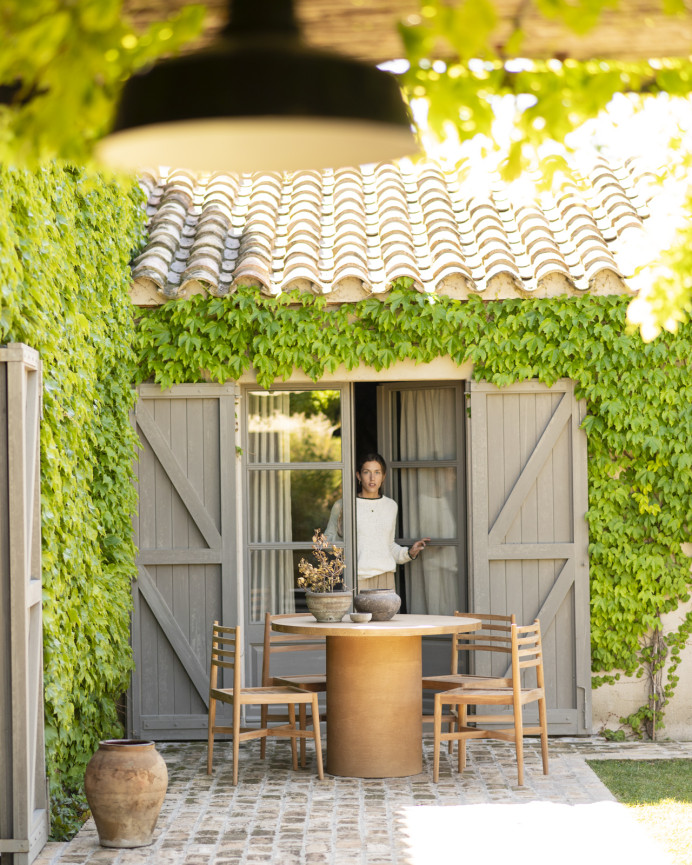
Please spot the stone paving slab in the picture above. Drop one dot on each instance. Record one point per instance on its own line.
(276, 815)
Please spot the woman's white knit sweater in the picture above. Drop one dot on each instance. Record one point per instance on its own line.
(376, 524)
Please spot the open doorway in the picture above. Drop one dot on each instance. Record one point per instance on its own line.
(419, 428)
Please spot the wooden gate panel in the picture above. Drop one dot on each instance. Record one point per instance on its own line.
(185, 532)
(24, 813)
(528, 532)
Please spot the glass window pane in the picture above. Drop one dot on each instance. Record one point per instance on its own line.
(424, 424)
(274, 583)
(288, 505)
(432, 582)
(427, 502)
(294, 426)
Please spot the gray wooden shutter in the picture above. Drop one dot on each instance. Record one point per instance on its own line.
(528, 534)
(185, 531)
(23, 792)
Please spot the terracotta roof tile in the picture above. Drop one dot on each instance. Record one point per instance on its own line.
(351, 232)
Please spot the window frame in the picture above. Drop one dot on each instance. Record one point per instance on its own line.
(344, 465)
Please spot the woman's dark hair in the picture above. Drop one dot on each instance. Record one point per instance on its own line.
(372, 458)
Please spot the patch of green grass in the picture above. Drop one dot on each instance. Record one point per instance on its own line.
(659, 792)
(646, 782)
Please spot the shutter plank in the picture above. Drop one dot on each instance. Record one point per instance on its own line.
(175, 473)
(527, 479)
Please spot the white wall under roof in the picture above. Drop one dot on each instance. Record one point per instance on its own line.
(612, 702)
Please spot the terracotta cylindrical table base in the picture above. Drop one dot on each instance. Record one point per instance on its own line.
(374, 707)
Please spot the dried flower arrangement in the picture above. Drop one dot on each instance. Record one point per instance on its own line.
(328, 573)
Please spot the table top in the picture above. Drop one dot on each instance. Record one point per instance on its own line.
(401, 625)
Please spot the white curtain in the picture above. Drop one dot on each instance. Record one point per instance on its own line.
(271, 571)
(429, 497)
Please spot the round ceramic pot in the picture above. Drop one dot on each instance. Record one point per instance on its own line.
(125, 784)
(328, 606)
(382, 603)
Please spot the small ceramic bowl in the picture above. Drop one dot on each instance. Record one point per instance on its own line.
(361, 617)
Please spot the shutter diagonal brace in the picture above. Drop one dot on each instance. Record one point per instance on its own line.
(529, 474)
(174, 634)
(556, 595)
(178, 478)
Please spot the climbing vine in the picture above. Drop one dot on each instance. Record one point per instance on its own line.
(638, 424)
(66, 239)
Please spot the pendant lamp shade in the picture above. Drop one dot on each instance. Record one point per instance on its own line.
(259, 99)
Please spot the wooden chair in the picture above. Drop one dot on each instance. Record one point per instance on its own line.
(225, 646)
(527, 653)
(277, 644)
(494, 636)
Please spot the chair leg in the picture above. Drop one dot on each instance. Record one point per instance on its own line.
(543, 720)
(317, 736)
(303, 726)
(519, 742)
(236, 742)
(292, 722)
(437, 729)
(461, 722)
(210, 733)
(264, 711)
(450, 729)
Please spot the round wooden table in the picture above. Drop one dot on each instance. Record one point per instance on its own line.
(374, 691)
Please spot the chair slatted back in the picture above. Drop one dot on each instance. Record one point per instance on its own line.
(495, 635)
(225, 645)
(278, 643)
(527, 653)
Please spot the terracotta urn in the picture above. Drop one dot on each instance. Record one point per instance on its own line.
(328, 606)
(125, 785)
(382, 603)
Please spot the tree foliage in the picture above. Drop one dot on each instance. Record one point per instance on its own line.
(62, 65)
(550, 97)
(543, 103)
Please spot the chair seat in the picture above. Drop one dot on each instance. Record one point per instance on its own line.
(269, 694)
(316, 682)
(449, 681)
(490, 696)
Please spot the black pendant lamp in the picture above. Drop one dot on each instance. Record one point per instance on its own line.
(259, 99)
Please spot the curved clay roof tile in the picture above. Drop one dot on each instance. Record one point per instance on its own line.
(366, 226)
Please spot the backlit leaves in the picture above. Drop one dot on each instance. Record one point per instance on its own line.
(68, 62)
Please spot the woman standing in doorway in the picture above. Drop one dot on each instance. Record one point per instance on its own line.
(378, 554)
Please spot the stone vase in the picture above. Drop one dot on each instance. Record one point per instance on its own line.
(125, 785)
(384, 604)
(328, 606)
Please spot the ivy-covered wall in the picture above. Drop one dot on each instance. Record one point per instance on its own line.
(639, 421)
(66, 240)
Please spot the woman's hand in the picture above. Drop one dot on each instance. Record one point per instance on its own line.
(414, 549)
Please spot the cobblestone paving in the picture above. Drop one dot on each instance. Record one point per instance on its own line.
(279, 816)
